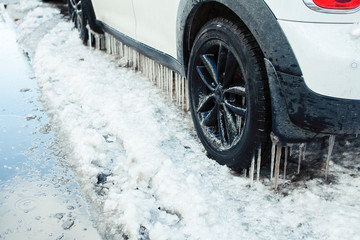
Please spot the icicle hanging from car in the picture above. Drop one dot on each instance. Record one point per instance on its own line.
(330, 150)
(172, 83)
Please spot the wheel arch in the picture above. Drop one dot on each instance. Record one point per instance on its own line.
(254, 14)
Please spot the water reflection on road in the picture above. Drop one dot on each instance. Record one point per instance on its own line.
(38, 196)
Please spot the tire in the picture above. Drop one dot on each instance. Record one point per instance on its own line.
(229, 93)
(78, 17)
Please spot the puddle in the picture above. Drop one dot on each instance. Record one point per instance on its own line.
(39, 198)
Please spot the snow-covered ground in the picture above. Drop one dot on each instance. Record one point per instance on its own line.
(139, 162)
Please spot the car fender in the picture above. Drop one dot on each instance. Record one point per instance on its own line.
(259, 19)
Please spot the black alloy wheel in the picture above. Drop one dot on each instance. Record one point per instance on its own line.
(78, 17)
(228, 93)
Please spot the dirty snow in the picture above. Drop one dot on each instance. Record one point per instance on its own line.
(139, 162)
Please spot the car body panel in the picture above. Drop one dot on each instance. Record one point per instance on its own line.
(296, 10)
(329, 56)
(118, 14)
(265, 29)
(155, 24)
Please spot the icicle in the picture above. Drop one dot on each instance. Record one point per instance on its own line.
(177, 89)
(302, 150)
(151, 70)
(273, 154)
(181, 92)
(133, 60)
(277, 165)
(245, 172)
(90, 36)
(113, 46)
(162, 77)
(158, 75)
(286, 160)
(97, 42)
(258, 165)
(137, 61)
(187, 106)
(128, 55)
(173, 84)
(107, 40)
(331, 147)
(184, 93)
(149, 66)
(165, 74)
(141, 64)
(102, 42)
(252, 170)
(171, 79)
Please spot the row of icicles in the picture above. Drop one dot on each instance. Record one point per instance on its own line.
(277, 151)
(169, 81)
(175, 87)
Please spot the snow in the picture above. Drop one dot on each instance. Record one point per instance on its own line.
(159, 182)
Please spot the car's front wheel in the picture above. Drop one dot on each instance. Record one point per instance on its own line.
(228, 93)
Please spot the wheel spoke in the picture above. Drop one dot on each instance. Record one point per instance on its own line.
(230, 126)
(221, 129)
(221, 61)
(73, 4)
(210, 118)
(210, 66)
(73, 18)
(235, 109)
(204, 75)
(206, 103)
(230, 68)
(78, 7)
(238, 90)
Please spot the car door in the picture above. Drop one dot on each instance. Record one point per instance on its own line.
(156, 24)
(118, 14)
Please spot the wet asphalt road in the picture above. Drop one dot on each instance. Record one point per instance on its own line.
(39, 198)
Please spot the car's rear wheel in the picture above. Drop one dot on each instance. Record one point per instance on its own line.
(228, 93)
(78, 17)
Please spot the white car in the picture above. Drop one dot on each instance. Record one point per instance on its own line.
(291, 67)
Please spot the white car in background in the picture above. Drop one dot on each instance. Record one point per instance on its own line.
(291, 67)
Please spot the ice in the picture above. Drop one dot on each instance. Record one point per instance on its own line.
(302, 153)
(331, 147)
(273, 154)
(68, 224)
(258, 164)
(252, 170)
(277, 165)
(172, 83)
(286, 161)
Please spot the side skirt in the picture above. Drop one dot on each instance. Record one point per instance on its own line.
(162, 58)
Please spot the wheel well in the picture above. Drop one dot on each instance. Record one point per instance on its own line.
(197, 19)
